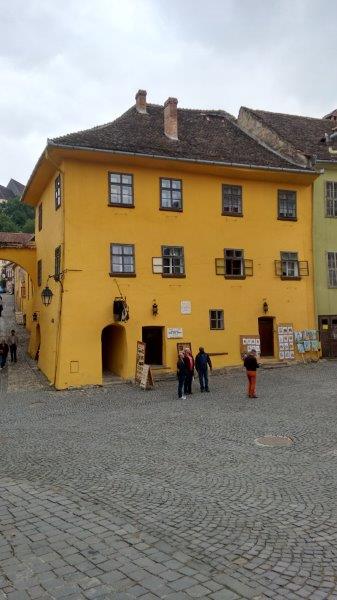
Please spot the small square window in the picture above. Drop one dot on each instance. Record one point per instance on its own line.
(216, 319)
(289, 265)
(232, 200)
(287, 205)
(171, 194)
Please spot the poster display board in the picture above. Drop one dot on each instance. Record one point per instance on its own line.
(146, 381)
(248, 343)
(181, 346)
(140, 360)
(285, 332)
(307, 341)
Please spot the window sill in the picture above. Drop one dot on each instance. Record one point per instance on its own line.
(285, 278)
(287, 218)
(174, 275)
(228, 214)
(179, 210)
(122, 274)
(120, 205)
(235, 276)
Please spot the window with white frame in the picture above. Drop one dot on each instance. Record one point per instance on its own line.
(332, 269)
(173, 260)
(122, 259)
(216, 319)
(289, 264)
(331, 198)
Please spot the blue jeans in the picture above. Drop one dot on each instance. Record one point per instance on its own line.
(203, 379)
(2, 361)
(181, 382)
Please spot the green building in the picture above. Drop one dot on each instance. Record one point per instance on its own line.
(309, 141)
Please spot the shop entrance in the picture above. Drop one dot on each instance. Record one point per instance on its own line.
(327, 325)
(153, 338)
(266, 332)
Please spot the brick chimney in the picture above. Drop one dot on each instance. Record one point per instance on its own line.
(141, 101)
(171, 118)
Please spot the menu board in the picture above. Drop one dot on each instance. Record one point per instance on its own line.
(248, 343)
(140, 360)
(146, 381)
(286, 347)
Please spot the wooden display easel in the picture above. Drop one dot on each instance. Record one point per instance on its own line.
(146, 381)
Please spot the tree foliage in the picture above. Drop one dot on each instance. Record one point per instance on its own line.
(16, 216)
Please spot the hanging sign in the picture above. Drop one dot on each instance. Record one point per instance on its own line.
(146, 381)
(174, 332)
(140, 360)
(286, 348)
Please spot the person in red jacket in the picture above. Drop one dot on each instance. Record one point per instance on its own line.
(189, 363)
(251, 365)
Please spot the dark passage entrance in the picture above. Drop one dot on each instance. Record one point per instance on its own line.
(153, 338)
(328, 335)
(266, 331)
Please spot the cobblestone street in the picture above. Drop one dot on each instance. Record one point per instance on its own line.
(120, 493)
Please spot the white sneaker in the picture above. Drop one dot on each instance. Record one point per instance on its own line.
(183, 397)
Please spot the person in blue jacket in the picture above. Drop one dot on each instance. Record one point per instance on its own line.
(181, 375)
(202, 362)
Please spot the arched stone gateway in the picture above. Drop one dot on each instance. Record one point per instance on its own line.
(19, 248)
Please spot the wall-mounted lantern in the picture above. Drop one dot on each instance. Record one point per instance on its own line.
(46, 295)
(154, 308)
(265, 307)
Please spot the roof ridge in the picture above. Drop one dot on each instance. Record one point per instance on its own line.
(271, 112)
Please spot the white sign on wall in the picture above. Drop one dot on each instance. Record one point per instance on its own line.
(185, 307)
(174, 332)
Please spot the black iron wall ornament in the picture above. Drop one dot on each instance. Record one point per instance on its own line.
(265, 307)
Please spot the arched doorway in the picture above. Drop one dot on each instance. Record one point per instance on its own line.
(114, 351)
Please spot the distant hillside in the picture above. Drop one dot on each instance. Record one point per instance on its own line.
(15, 216)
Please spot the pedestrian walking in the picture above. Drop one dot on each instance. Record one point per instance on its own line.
(251, 365)
(1, 307)
(13, 345)
(3, 353)
(189, 364)
(181, 374)
(202, 362)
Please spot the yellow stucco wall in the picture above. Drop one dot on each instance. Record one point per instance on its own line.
(48, 323)
(91, 225)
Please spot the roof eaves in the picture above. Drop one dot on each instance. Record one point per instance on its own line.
(182, 159)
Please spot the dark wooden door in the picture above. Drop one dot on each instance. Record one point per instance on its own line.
(153, 338)
(266, 331)
(327, 325)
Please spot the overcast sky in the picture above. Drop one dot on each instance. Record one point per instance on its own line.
(73, 64)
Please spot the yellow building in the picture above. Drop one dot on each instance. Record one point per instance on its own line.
(205, 232)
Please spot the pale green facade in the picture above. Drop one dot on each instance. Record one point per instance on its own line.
(324, 241)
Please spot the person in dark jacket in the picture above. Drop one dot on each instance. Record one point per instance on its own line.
(189, 364)
(181, 374)
(251, 365)
(3, 353)
(202, 362)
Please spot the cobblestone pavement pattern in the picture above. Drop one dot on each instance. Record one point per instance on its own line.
(120, 493)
